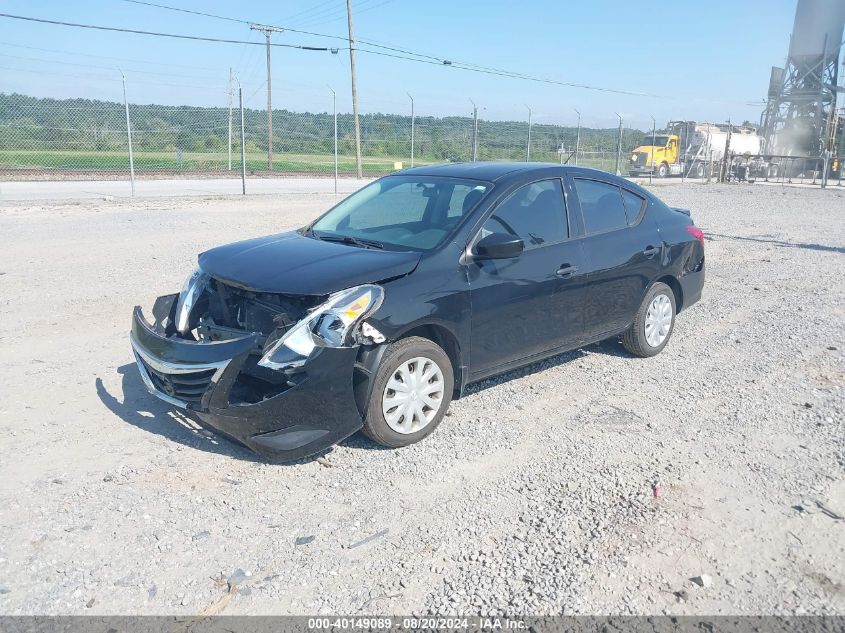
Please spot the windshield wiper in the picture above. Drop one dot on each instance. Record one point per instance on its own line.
(348, 239)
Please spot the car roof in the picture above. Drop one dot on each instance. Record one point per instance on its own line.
(491, 171)
(483, 170)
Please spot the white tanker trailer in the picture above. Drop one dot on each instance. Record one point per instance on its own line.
(692, 149)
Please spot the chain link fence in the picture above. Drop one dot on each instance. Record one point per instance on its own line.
(51, 139)
(88, 139)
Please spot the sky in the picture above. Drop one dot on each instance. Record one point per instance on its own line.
(689, 62)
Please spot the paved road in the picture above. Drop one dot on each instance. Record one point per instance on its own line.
(91, 189)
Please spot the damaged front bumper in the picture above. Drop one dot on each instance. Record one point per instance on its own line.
(281, 416)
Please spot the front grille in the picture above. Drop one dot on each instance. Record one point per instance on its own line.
(639, 158)
(189, 387)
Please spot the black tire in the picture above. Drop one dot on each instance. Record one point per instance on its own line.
(699, 171)
(663, 170)
(402, 351)
(774, 172)
(634, 340)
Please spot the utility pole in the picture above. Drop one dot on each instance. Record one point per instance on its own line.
(528, 146)
(334, 112)
(129, 139)
(412, 128)
(724, 171)
(577, 137)
(653, 137)
(619, 146)
(354, 90)
(243, 139)
(268, 31)
(474, 130)
(230, 119)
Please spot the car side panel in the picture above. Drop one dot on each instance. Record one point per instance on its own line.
(436, 294)
(619, 270)
(683, 254)
(618, 274)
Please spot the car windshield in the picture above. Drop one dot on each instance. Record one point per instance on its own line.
(401, 212)
(659, 141)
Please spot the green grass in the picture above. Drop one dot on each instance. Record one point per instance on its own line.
(212, 162)
(191, 161)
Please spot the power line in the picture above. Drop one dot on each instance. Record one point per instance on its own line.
(408, 55)
(109, 57)
(207, 15)
(112, 68)
(358, 11)
(115, 79)
(334, 14)
(298, 14)
(156, 34)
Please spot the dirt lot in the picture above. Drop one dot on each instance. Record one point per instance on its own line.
(534, 496)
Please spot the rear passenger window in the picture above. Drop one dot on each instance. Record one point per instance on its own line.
(602, 206)
(633, 205)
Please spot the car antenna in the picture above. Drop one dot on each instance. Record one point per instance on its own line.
(566, 162)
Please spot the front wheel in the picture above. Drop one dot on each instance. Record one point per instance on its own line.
(663, 170)
(412, 390)
(653, 323)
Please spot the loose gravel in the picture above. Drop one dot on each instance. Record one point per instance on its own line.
(709, 479)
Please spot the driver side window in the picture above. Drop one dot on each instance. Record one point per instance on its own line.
(536, 213)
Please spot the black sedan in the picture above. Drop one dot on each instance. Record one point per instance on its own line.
(379, 313)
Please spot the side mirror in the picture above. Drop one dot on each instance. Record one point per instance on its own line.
(499, 246)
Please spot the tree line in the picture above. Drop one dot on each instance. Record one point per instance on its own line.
(32, 123)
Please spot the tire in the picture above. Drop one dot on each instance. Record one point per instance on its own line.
(663, 170)
(636, 339)
(699, 171)
(774, 172)
(399, 360)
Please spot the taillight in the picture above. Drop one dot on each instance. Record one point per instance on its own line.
(696, 232)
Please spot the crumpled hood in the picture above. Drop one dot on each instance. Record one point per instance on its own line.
(289, 263)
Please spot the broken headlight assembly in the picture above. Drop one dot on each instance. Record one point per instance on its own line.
(191, 291)
(332, 324)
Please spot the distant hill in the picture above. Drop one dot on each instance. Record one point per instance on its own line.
(30, 123)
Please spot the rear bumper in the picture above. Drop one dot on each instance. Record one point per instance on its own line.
(304, 413)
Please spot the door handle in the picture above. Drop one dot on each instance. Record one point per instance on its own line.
(566, 271)
(651, 251)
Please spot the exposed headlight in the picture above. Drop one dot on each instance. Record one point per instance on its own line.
(328, 325)
(191, 291)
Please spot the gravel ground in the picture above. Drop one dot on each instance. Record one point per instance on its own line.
(535, 496)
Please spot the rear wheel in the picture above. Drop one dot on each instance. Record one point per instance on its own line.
(699, 171)
(653, 323)
(663, 170)
(412, 390)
